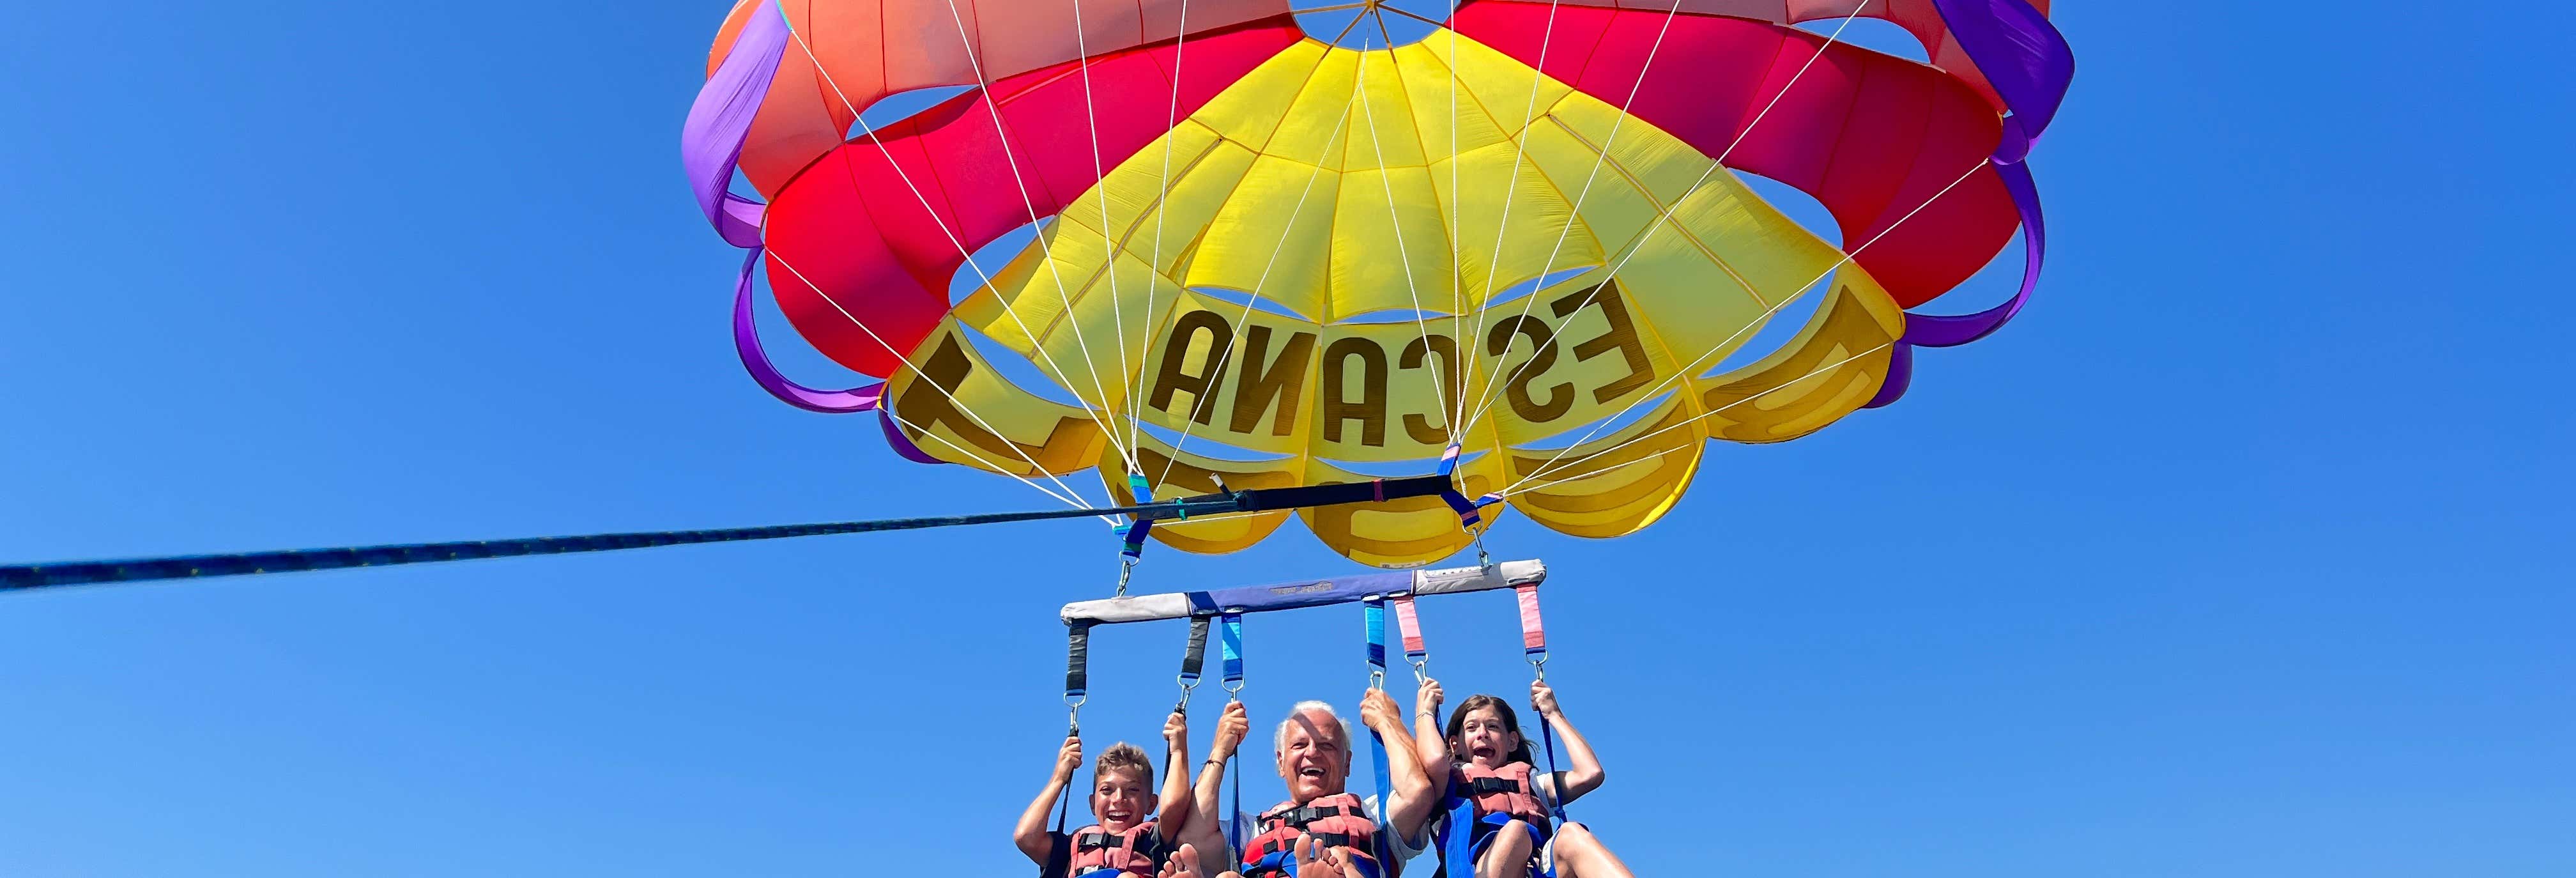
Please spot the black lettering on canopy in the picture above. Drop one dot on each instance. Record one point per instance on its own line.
(1622, 336)
(1370, 408)
(1559, 398)
(1283, 379)
(1174, 376)
(925, 403)
(1415, 351)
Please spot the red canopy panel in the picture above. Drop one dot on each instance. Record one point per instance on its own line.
(873, 48)
(850, 243)
(1870, 136)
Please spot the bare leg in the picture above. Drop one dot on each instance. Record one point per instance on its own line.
(1509, 855)
(1580, 854)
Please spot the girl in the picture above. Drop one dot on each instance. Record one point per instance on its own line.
(1490, 770)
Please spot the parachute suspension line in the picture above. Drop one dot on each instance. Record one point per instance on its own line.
(993, 108)
(1457, 408)
(1695, 362)
(1487, 395)
(1492, 394)
(963, 251)
(1162, 194)
(961, 405)
(1524, 484)
(1520, 155)
(1217, 358)
(1110, 245)
(1076, 502)
(1403, 254)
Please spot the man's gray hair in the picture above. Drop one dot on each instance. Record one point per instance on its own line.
(1279, 743)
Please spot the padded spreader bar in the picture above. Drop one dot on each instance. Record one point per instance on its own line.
(1304, 593)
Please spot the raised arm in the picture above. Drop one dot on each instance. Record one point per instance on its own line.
(1031, 835)
(1429, 744)
(1176, 800)
(1584, 774)
(1408, 806)
(1206, 831)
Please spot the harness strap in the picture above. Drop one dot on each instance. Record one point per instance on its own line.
(1533, 631)
(1298, 817)
(1483, 785)
(1411, 627)
(1194, 658)
(1230, 653)
(1077, 660)
(1373, 615)
(1132, 545)
(1230, 649)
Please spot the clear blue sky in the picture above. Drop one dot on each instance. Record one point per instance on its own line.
(2244, 552)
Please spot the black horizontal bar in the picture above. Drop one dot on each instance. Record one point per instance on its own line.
(30, 576)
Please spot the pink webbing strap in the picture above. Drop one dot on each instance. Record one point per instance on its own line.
(1412, 628)
(1533, 632)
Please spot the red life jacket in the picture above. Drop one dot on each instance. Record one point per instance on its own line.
(1337, 820)
(1504, 790)
(1138, 851)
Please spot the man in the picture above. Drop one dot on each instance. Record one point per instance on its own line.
(1322, 831)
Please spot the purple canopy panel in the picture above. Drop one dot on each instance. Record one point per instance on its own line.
(710, 147)
(711, 140)
(1943, 331)
(902, 444)
(2030, 65)
(1900, 374)
(746, 343)
(2023, 57)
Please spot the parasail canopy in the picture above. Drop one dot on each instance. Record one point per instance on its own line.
(1508, 242)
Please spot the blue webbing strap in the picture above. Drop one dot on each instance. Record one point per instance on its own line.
(1230, 649)
(1132, 538)
(1230, 646)
(1373, 615)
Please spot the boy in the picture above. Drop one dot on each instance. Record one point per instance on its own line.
(1126, 835)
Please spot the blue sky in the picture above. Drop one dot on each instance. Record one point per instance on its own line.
(2243, 552)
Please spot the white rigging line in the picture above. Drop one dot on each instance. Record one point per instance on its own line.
(1110, 242)
(1693, 367)
(933, 212)
(1487, 397)
(1463, 347)
(1517, 486)
(1520, 153)
(1162, 194)
(1404, 257)
(993, 107)
(1217, 358)
(886, 405)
